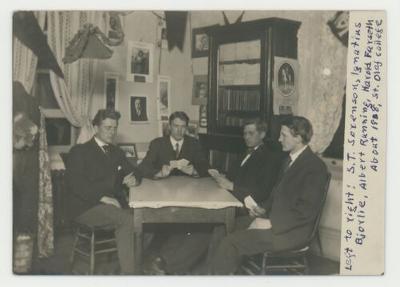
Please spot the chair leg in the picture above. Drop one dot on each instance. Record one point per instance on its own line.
(263, 270)
(72, 257)
(92, 255)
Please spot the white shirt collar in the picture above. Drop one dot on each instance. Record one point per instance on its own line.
(174, 142)
(295, 155)
(100, 143)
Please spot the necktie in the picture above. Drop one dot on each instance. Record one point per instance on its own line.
(176, 150)
(107, 148)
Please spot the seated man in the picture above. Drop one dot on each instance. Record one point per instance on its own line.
(285, 220)
(176, 154)
(95, 174)
(253, 178)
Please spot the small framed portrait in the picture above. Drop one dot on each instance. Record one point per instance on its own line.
(58, 132)
(200, 43)
(110, 91)
(114, 27)
(164, 97)
(138, 109)
(200, 90)
(130, 151)
(140, 62)
(163, 129)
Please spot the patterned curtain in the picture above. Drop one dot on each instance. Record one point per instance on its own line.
(24, 60)
(73, 93)
(45, 234)
(329, 79)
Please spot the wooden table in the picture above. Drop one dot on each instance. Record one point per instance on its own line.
(179, 199)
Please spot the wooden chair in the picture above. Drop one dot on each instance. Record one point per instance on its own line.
(91, 241)
(288, 261)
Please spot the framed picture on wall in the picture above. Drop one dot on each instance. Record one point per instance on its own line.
(129, 149)
(164, 97)
(138, 109)
(58, 132)
(163, 128)
(285, 86)
(140, 62)
(111, 91)
(200, 90)
(200, 43)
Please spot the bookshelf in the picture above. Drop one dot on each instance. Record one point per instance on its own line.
(241, 75)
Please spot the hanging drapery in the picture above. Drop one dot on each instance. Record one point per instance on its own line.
(74, 92)
(329, 78)
(24, 60)
(45, 233)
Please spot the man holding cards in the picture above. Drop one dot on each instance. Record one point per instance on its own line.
(176, 154)
(252, 179)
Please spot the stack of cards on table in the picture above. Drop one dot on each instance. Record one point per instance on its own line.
(178, 163)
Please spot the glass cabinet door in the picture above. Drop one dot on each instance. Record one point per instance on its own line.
(238, 78)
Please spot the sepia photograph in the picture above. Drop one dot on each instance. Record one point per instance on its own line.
(272, 161)
(138, 108)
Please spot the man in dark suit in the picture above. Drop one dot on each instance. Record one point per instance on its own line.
(253, 178)
(96, 172)
(176, 154)
(285, 220)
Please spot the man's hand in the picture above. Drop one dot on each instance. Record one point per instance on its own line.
(110, 200)
(224, 183)
(130, 180)
(257, 211)
(188, 169)
(164, 172)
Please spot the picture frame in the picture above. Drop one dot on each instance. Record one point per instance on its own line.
(130, 151)
(200, 90)
(111, 90)
(285, 86)
(58, 131)
(200, 42)
(163, 97)
(138, 109)
(163, 128)
(193, 129)
(139, 63)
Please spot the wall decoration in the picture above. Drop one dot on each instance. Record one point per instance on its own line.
(193, 129)
(58, 132)
(138, 108)
(111, 90)
(140, 62)
(200, 44)
(203, 116)
(164, 97)
(200, 90)
(163, 128)
(129, 149)
(285, 86)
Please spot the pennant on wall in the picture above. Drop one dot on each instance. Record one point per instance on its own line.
(339, 25)
(27, 30)
(176, 28)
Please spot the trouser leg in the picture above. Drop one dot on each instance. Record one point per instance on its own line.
(227, 257)
(122, 219)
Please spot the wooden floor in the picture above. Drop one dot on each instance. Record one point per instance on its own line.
(58, 264)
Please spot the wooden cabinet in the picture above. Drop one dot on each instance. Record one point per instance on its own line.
(240, 77)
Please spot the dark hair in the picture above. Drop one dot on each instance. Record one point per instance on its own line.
(180, 115)
(261, 125)
(105, 114)
(299, 126)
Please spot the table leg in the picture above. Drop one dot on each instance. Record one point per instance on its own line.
(138, 233)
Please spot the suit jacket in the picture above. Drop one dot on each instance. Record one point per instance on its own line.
(91, 174)
(136, 117)
(296, 201)
(161, 152)
(257, 176)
